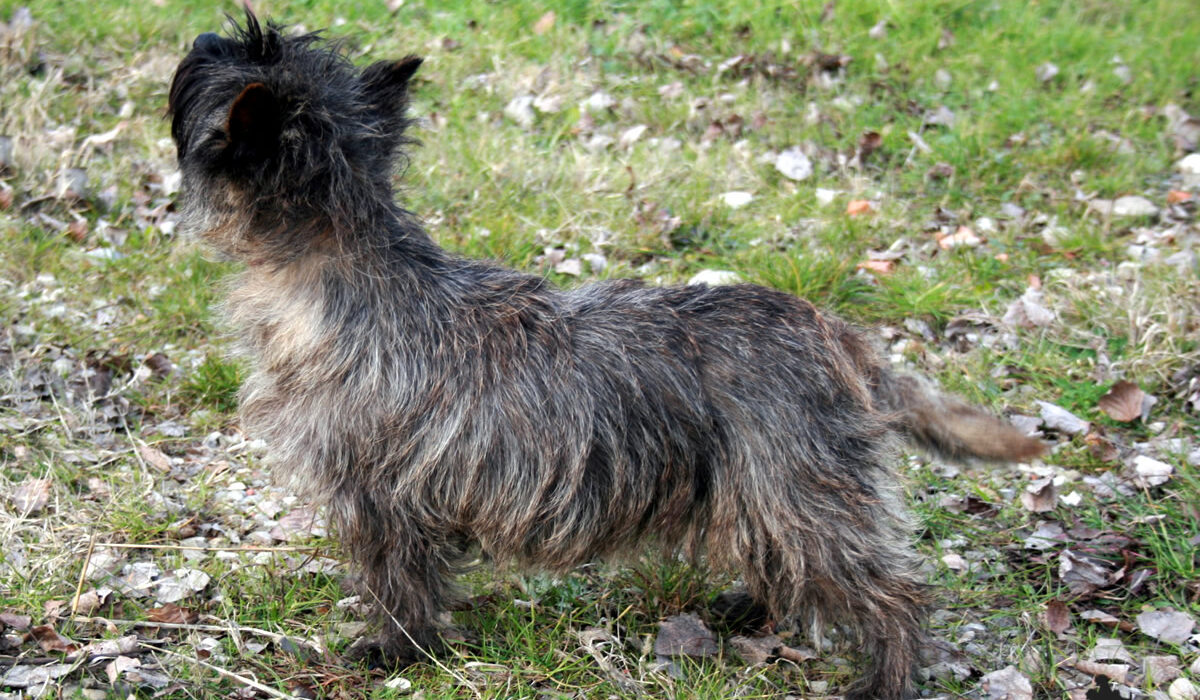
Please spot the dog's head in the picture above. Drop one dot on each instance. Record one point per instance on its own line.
(284, 125)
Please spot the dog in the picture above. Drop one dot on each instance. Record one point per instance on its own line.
(436, 403)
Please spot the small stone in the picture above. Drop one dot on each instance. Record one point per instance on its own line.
(1182, 689)
(1190, 164)
(1133, 205)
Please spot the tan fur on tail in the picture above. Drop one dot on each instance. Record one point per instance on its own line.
(950, 427)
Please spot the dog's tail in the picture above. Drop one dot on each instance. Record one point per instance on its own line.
(950, 427)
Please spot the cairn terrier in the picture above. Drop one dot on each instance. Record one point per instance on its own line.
(436, 403)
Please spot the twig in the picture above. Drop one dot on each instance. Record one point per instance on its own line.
(274, 636)
(87, 560)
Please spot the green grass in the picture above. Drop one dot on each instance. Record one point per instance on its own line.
(121, 287)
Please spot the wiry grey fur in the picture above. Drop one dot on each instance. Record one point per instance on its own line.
(435, 402)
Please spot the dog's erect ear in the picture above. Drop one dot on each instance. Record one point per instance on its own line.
(387, 81)
(254, 123)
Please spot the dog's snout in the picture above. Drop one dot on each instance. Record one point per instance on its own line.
(207, 42)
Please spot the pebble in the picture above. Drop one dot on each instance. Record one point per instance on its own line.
(1133, 205)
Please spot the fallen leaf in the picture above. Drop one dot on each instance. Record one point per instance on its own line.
(1028, 311)
(1082, 575)
(685, 635)
(964, 236)
(879, 267)
(1007, 684)
(796, 656)
(119, 665)
(1099, 617)
(1058, 616)
(88, 602)
(859, 207)
(173, 614)
(39, 677)
(1047, 535)
(155, 458)
(1040, 496)
(1160, 669)
(755, 650)
(544, 24)
(1123, 402)
(1178, 197)
(868, 143)
(50, 640)
(1116, 672)
(31, 496)
(1109, 649)
(940, 171)
(1060, 419)
(1166, 625)
(1149, 472)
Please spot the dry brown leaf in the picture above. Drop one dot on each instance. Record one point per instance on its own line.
(155, 458)
(879, 267)
(796, 656)
(963, 236)
(1083, 575)
(685, 635)
(1058, 616)
(88, 602)
(173, 614)
(1178, 197)
(1040, 496)
(755, 650)
(868, 143)
(544, 24)
(859, 207)
(1116, 672)
(50, 640)
(77, 230)
(1123, 402)
(31, 496)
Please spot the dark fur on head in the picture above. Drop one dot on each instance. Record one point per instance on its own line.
(436, 403)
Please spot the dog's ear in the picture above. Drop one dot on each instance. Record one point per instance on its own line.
(254, 123)
(386, 82)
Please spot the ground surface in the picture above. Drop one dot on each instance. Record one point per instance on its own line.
(1001, 189)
